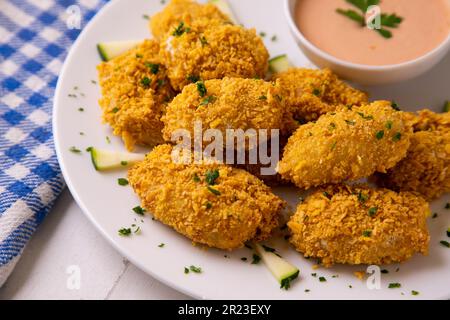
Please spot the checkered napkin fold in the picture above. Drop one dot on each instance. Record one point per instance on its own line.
(34, 38)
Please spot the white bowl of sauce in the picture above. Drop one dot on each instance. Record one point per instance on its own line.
(362, 55)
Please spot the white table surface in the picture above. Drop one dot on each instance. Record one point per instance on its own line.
(66, 238)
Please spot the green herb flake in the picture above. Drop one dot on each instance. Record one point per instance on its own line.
(125, 232)
(201, 88)
(115, 110)
(414, 292)
(350, 122)
(367, 233)
(286, 282)
(196, 178)
(435, 215)
(203, 41)
(139, 210)
(122, 182)
(384, 271)
(379, 135)
(208, 205)
(193, 78)
(268, 249)
(448, 232)
(89, 149)
(274, 38)
(314, 275)
(262, 34)
(108, 140)
(389, 124)
(307, 290)
(74, 150)
(154, 67)
(447, 206)
(211, 176)
(397, 137)
(161, 245)
(207, 100)
(395, 106)
(327, 195)
(446, 107)
(256, 259)
(145, 82)
(146, 16)
(263, 97)
(139, 56)
(394, 285)
(186, 270)
(213, 191)
(180, 29)
(195, 269)
(316, 92)
(445, 243)
(373, 211)
(123, 163)
(244, 259)
(362, 115)
(81, 109)
(362, 197)
(322, 279)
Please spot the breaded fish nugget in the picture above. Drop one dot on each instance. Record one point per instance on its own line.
(425, 168)
(346, 145)
(212, 204)
(359, 225)
(181, 10)
(135, 90)
(192, 52)
(229, 103)
(310, 93)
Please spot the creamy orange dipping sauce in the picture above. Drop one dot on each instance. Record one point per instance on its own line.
(425, 25)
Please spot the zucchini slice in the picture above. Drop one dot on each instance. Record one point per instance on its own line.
(109, 160)
(223, 6)
(110, 50)
(279, 64)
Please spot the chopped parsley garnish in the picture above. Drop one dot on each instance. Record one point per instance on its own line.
(446, 106)
(445, 243)
(124, 163)
(211, 177)
(362, 115)
(160, 83)
(196, 178)
(379, 135)
(447, 206)
(207, 100)
(384, 271)
(145, 82)
(180, 29)
(322, 279)
(268, 249)
(316, 92)
(122, 181)
(154, 67)
(161, 245)
(139, 210)
(350, 286)
(373, 211)
(125, 231)
(81, 109)
(214, 191)
(108, 140)
(262, 34)
(448, 232)
(386, 20)
(362, 197)
(139, 56)
(435, 215)
(389, 124)
(89, 149)
(146, 16)
(192, 78)
(186, 270)
(81, 133)
(367, 233)
(332, 125)
(195, 269)
(93, 82)
(256, 259)
(327, 195)
(115, 110)
(307, 290)
(414, 292)
(350, 122)
(263, 97)
(208, 205)
(201, 89)
(74, 150)
(394, 285)
(203, 41)
(395, 106)
(314, 275)
(397, 137)
(244, 259)
(274, 38)
(286, 282)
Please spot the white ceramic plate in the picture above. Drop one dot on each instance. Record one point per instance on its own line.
(108, 205)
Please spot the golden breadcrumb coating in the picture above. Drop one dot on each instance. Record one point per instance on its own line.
(177, 11)
(425, 168)
(346, 145)
(135, 89)
(213, 53)
(359, 225)
(235, 208)
(229, 103)
(310, 93)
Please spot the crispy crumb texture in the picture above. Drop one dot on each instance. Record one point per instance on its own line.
(236, 208)
(359, 225)
(346, 145)
(135, 90)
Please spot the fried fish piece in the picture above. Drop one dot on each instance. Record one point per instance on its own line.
(135, 90)
(212, 204)
(178, 11)
(425, 167)
(346, 145)
(359, 225)
(310, 93)
(196, 51)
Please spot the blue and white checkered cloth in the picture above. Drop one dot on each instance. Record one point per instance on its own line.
(34, 39)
